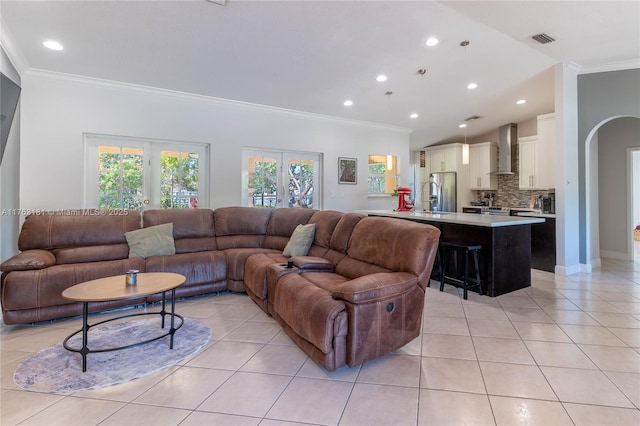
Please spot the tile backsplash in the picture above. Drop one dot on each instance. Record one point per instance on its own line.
(509, 194)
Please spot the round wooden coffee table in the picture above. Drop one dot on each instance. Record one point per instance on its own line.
(115, 288)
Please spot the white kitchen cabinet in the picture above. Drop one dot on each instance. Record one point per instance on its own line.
(483, 159)
(528, 162)
(536, 157)
(445, 159)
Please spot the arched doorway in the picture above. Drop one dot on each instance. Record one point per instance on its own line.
(592, 202)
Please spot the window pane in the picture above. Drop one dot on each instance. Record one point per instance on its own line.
(179, 179)
(120, 177)
(263, 181)
(301, 189)
(382, 177)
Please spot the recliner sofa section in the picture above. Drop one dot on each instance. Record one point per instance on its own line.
(356, 295)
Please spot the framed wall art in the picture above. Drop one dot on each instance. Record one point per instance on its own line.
(347, 170)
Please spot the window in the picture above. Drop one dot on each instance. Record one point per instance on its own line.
(132, 173)
(281, 179)
(382, 174)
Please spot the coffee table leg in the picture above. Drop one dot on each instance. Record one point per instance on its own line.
(85, 335)
(163, 312)
(173, 310)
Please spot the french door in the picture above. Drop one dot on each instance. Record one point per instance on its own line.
(281, 179)
(134, 173)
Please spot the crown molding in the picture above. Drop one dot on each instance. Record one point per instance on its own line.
(7, 43)
(611, 66)
(117, 85)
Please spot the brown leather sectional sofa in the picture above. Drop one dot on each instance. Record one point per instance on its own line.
(357, 295)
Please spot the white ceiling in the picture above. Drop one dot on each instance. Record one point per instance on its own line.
(312, 55)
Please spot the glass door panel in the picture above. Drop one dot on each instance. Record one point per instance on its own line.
(179, 178)
(281, 179)
(120, 177)
(130, 173)
(263, 181)
(300, 174)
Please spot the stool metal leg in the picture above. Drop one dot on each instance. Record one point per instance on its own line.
(443, 267)
(465, 277)
(475, 262)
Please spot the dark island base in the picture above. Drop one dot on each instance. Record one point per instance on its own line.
(505, 259)
(543, 245)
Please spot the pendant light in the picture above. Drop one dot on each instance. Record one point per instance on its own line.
(465, 145)
(389, 156)
(465, 148)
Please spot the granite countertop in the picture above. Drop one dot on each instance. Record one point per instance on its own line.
(489, 221)
(537, 214)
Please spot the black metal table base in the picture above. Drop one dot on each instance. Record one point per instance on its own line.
(84, 351)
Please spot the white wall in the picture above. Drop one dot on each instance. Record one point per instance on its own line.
(614, 139)
(58, 109)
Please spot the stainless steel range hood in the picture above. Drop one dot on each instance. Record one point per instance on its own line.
(507, 160)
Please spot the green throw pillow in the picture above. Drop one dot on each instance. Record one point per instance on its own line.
(300, 241)
(152, 241)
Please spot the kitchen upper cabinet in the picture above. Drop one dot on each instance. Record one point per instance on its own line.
(445, 159)
(536, 158)
(528, 162)
(483, 159)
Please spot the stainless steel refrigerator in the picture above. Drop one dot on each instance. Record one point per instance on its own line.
(441, 192)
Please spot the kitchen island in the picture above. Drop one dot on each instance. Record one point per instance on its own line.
(505, 260)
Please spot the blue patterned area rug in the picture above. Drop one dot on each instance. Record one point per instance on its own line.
(57, 370)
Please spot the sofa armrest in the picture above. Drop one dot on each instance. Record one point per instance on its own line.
(376, 286)
(313, 263)
(29, 260)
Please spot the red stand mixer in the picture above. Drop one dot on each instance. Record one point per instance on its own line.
(404, 202)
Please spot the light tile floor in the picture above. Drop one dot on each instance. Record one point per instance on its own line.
(565, 351)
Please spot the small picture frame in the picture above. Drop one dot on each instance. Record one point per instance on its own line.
(347, 170)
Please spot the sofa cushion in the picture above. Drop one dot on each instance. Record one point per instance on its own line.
(29, 260)
(91, 253)
(76, 228)
(152, 241)
(240, 227)
(282, 223)
(300, 241)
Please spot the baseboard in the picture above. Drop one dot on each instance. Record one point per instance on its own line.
(614, 255)
(588, 268)
(567, 270)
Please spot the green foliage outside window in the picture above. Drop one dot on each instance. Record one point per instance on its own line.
(178, 180)
(121, 179)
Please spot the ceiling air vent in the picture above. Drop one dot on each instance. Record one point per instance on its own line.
(543, 38)
(472, 118)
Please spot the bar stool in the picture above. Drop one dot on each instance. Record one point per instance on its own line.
(454, 276)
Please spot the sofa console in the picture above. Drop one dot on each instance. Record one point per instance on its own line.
(354, 293)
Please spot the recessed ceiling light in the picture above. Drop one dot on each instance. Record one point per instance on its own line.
(347, 103)
(432, 41)
(381, 78)
(472, 85)
(521, 101)
(413, 115)
(53, 45)
(462, 126)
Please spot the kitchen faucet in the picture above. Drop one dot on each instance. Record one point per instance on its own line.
(434, 198)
